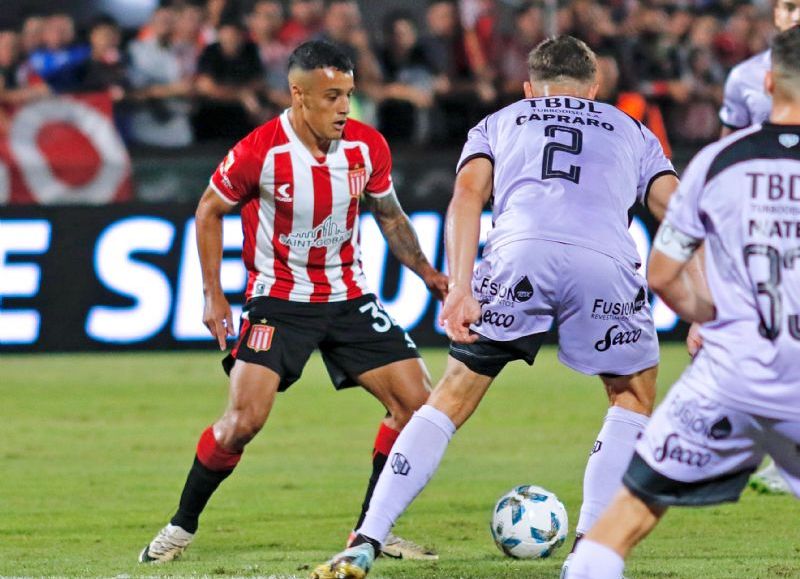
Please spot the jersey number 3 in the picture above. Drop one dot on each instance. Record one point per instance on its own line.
(550, 150)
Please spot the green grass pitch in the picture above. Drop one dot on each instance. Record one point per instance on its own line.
(94, 450)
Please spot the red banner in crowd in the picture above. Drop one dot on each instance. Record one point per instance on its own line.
(63, 150)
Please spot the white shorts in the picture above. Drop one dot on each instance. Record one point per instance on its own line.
(599, 304)
(696, 451)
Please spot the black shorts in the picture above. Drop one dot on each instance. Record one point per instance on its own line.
(653, 488)
(487, 357)
(353, 336)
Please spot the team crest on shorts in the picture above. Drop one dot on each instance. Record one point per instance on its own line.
(357, 178)
(260, 339)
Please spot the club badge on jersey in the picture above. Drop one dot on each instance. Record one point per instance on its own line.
(357, 178)
(260, 339)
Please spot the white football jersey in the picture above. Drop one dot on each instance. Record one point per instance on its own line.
(746, 101)
(567, 169)
(742, 196)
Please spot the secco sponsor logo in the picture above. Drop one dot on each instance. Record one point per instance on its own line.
(672, 450)
(613, 338)
(496, 319)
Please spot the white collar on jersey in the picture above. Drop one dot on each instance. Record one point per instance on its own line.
(295, 140)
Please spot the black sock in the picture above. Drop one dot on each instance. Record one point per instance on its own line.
(200, 485)
(378, 461)
(361, 539)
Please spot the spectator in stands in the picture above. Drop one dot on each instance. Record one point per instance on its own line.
(230, 80)
(592, 23)
(160, 87)
(9, 58)
(631, 102)
(304, 23)
(59, 62)
(528, 31)
(187, 42)
(215, 11)
(697, 120)
(733, 42)
(408, 92)
(655, 59)
(31, 36)
(17, 84)
(264, 22)
(105, 70)
(457, 96)
(481, 41)
(342, 26)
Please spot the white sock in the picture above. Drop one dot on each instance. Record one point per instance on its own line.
(415, 456)
(595, 561)
(608, 462)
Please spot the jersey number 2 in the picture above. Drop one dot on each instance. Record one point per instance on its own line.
(550, 150)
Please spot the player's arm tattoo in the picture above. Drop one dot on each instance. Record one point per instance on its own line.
(397, 230)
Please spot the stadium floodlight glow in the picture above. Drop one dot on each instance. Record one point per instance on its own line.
(21, 280)
(411, 301)
(145, 284)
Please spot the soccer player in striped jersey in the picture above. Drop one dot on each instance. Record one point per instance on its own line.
(740, 397)
(563, 172)
(298, 180)
(747, 103)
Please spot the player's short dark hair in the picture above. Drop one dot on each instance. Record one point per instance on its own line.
(320, 54)
(786, 52)
(562, 57)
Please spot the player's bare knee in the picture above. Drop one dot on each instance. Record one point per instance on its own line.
(456, 394)
(237, 428)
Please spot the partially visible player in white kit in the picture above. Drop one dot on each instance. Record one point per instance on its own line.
(747, 103)
(563, 172)
(740, 397)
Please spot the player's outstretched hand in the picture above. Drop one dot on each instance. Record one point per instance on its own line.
(436, 283)
(694, 341)
(460, 309)
(218, 318)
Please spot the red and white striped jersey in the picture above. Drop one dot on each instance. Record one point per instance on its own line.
(299, 213)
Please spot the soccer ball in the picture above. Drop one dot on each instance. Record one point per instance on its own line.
(529, 522)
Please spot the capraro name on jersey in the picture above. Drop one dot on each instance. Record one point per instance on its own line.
(552, 109)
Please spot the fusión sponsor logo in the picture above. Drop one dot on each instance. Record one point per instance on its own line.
(505, 295)
(326, 234)
(603, 309)
(694, 420)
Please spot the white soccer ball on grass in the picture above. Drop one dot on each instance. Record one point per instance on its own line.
(529, 522)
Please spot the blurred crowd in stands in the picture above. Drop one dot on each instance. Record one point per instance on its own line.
(217, 68)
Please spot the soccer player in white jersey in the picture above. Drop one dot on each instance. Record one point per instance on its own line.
(298, 180)
(747, 103)
(563, 172)
(740, 397)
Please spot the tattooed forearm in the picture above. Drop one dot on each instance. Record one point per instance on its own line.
(399, 234)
